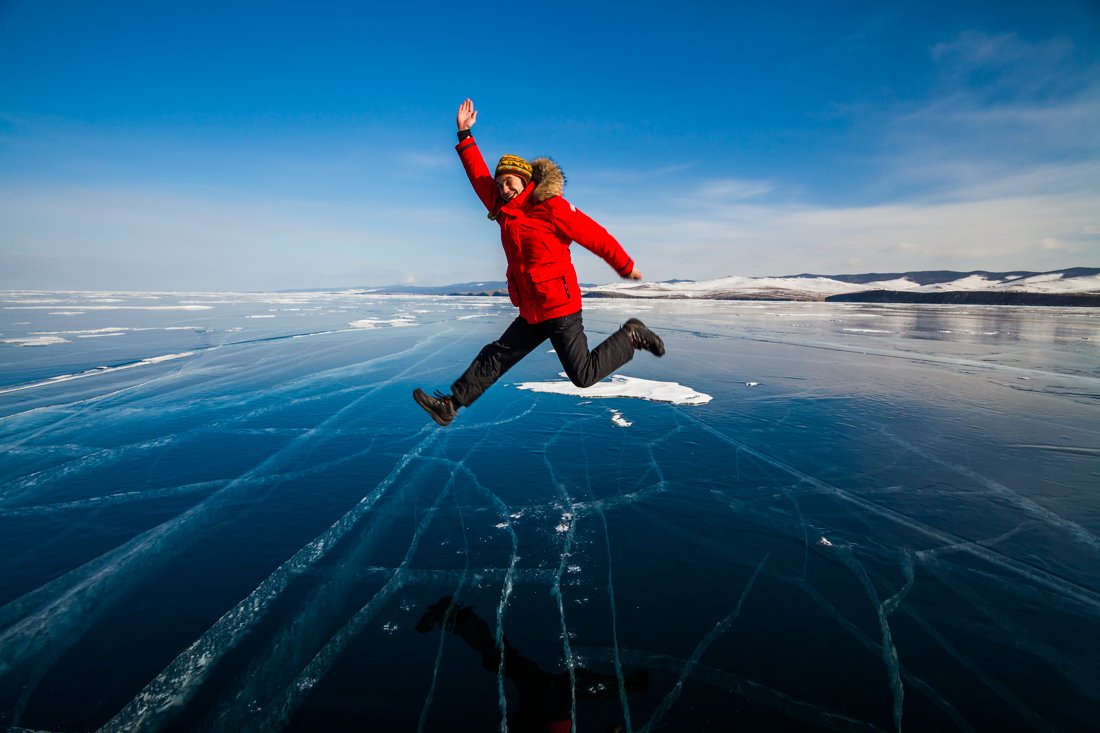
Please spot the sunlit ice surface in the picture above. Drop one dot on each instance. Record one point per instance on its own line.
(225, 512)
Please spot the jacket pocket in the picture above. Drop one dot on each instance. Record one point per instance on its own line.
(551, 284)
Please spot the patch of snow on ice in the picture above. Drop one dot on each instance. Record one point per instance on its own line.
(376, 322)
(618, 419)
(166, 357)
(110, 308)
(36, 341)
(618, 385)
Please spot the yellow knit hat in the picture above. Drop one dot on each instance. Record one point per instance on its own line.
(514, 165)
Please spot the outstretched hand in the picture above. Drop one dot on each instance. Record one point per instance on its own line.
(467, 115)
(635, 274)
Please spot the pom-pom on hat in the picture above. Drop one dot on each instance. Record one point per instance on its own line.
(514, 165)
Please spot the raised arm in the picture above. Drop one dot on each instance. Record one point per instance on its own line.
(476, 170)
(467, 115)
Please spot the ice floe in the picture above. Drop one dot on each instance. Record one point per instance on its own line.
(376, 322)
(36, 341)
(618, 419)
(111, 308)
(618, 385)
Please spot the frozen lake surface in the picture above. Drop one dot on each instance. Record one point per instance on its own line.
(224, 512)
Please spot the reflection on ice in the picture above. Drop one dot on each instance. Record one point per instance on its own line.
(896, 533)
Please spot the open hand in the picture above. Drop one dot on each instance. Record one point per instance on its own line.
(635, 274)
(467, 115)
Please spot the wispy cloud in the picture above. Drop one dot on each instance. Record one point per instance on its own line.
(424, 161)
(996, 165)
(1003, 106)
(732, 189)
(1012, 225)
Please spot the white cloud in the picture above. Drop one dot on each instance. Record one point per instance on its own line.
(1002, 109)
(1013, 232)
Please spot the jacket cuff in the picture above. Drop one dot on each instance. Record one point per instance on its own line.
(627, 270)
(463, 144)
(463, 134)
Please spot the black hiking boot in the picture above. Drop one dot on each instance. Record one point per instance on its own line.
(441, 407)
(642, 338)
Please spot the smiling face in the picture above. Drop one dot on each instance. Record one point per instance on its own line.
(510, 185)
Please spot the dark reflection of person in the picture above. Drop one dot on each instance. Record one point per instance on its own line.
(545, 700)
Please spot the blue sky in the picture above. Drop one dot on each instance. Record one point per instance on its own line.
(209, 146)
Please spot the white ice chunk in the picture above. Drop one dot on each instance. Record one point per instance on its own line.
(376, 322)
(618, 419)
(36, 341)
(618, 385)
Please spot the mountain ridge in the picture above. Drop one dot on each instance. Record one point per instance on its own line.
(1078, 286)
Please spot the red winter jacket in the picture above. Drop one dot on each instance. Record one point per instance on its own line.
(536, 229)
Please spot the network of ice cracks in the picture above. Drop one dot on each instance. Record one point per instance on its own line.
(438, 472)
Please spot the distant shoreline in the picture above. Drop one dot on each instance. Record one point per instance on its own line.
(959, 297)
(1069, 287)
(963, 297)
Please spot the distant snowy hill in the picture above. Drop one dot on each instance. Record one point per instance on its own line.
(1080, 285)
(475, 288)
(1071, 286)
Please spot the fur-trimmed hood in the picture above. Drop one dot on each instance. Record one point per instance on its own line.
(548, 179)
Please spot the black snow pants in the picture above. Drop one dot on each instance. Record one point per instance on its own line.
(583, 367)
